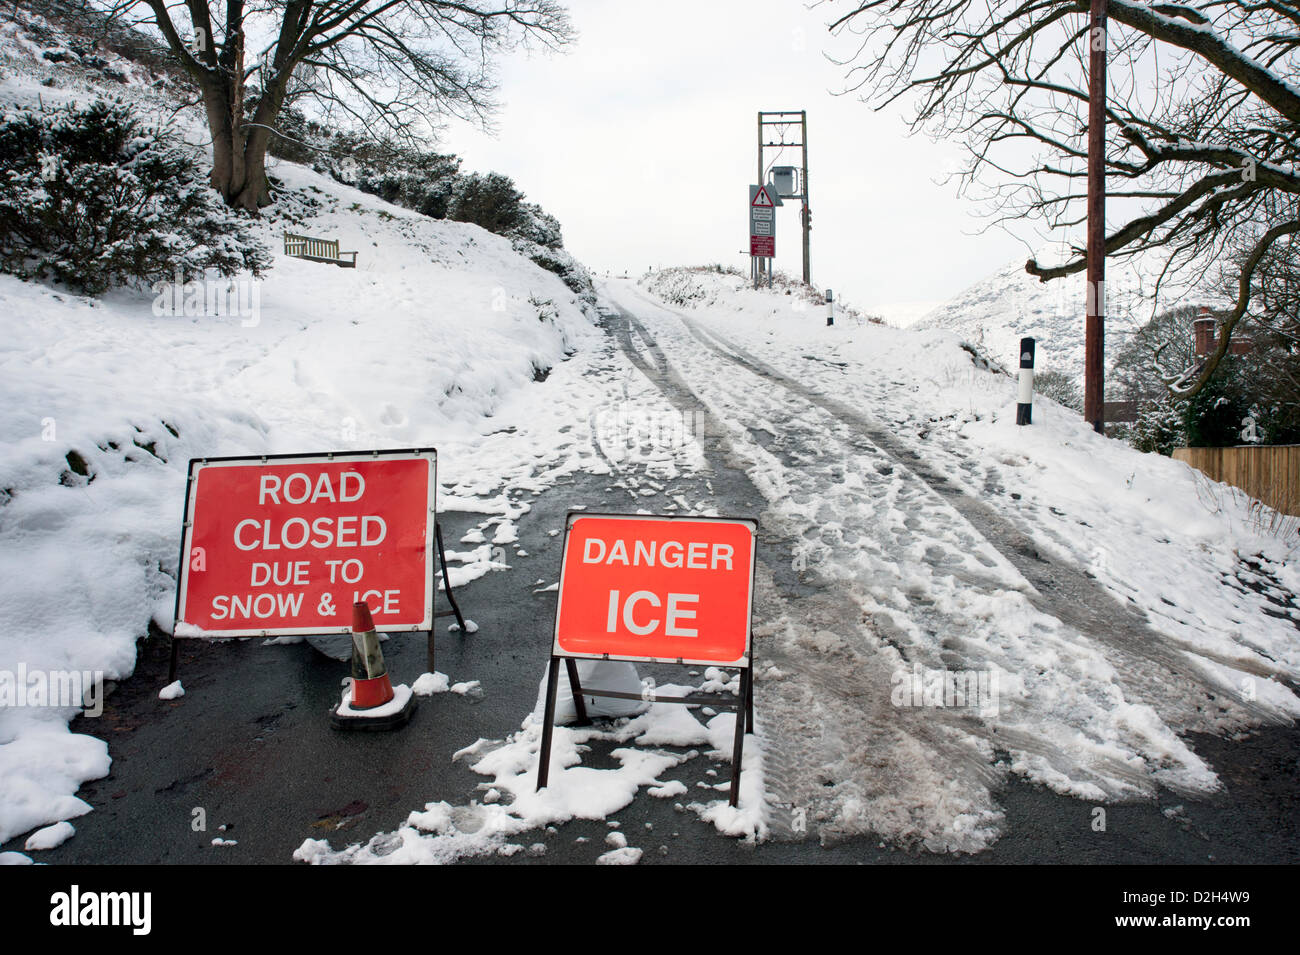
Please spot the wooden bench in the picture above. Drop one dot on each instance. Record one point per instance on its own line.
(318, 250)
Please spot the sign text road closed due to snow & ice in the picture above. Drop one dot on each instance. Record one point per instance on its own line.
(286, 544)
(656, 588)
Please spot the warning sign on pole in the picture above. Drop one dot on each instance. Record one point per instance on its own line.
(288, 543)
(667, 589)
(762, 221)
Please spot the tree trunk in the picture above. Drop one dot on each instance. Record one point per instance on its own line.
(238, 154)
(239, 148)
(256, 189)
(227, 147)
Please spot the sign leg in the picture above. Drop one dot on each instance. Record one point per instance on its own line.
(171, 667)
(749, 702)
(579, 704)
(446, 583)
(738, 748)
(548, 725)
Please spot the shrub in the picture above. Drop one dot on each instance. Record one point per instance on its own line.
(1214, 416)
(1159, 428)
(576, 278)
(433, 185)
(1061, 388)
(490, 201)
(92, 198)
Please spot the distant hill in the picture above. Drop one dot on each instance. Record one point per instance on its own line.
(996, 312)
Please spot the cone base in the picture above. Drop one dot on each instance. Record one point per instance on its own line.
(389, 721)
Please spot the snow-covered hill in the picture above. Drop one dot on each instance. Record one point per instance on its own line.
(704, 286)
(439, 338)
(996, 312)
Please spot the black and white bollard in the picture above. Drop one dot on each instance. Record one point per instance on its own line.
(830, 307)
(1025, 407)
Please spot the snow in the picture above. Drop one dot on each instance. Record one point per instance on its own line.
(627, 855)
(51, 837)
(401, 696)
(172, 691)
(427, 684)
(441, 833)
(1079, 712)
(436, 339)
(433, 340)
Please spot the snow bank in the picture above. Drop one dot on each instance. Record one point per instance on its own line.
(439, 337)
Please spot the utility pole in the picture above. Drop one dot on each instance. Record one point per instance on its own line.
(1094, 339)
(805, 214)
(758, 262)
(783, 121)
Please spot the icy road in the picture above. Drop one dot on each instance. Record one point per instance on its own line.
(981, 642)
(913, 569)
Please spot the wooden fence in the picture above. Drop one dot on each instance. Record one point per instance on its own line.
(1269, 473)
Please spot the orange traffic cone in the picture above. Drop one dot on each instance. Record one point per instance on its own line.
(370, 702)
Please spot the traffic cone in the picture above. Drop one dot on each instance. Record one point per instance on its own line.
(370, 689)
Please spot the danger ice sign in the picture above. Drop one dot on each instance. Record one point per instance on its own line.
(663, 589)
(286, 544)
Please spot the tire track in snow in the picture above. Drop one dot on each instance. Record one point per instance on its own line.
(809, 774)
(853, 678)
(1061, 590)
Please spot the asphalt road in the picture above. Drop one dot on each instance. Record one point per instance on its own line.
(250, 745)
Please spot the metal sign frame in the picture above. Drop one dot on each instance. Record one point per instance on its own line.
(742, 703)
(433, 546)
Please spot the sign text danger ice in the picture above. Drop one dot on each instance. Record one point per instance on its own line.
(656, 588)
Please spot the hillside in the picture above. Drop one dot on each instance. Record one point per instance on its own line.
(996, 312)
(440, 337)
(713, 285)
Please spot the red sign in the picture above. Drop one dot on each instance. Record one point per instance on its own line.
(286, 544)
(668, 589)
(763, 245)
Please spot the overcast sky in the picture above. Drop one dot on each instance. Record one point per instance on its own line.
(641, 139)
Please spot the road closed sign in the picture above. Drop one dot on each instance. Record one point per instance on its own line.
(665, 589)
(286, 544)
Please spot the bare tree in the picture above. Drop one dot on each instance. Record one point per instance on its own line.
(402, 65)
(1203, 125)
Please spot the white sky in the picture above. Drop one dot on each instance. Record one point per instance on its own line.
(642, 140)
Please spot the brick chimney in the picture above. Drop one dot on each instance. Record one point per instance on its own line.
(1203, 325)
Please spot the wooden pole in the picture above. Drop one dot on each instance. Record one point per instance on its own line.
(1094, 330)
